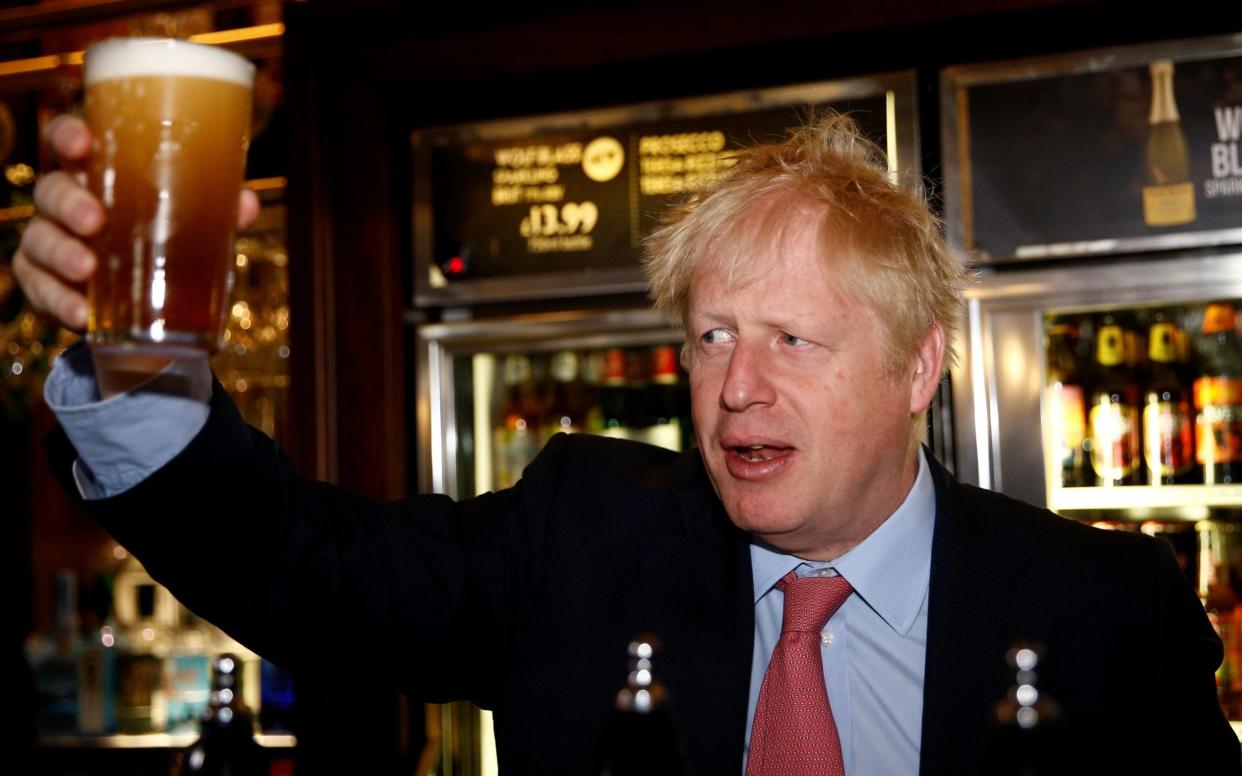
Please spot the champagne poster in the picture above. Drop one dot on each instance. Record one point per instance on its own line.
(1142, 155)
(583, 200)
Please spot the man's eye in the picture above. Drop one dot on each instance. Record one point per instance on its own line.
(789, 339)
(714, 336)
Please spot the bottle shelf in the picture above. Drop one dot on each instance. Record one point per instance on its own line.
(1190, 502)
(151, 741)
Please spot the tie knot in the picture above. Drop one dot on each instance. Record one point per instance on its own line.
(811, 601)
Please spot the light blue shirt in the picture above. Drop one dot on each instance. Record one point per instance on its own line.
(874, 647)
(124, 439)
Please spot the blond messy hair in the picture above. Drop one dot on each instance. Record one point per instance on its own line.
(879, 234)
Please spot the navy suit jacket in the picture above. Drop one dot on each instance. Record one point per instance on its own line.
(523, 601)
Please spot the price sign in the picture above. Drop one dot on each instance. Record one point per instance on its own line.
(546, 201)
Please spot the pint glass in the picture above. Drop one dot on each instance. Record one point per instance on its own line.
(170, 123)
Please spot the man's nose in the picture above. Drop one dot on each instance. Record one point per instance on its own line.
(747, 382)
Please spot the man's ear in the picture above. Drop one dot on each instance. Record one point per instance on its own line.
(928, 359)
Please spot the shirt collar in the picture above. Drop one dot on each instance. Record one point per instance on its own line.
(889, 570)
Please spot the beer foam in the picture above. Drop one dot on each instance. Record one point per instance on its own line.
(137, 57)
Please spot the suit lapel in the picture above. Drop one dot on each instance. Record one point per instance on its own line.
(698, 598)
(973, 604)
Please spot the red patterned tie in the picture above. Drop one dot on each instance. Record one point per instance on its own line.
(794, 732)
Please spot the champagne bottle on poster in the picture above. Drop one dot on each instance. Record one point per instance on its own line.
(1168, 418)
(1115, 441)
(1169, 196)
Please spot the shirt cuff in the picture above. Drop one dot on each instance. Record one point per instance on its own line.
(123, 439)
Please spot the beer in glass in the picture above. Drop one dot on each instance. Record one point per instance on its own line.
(170, 122)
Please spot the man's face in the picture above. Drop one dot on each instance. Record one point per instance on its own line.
(805, 435)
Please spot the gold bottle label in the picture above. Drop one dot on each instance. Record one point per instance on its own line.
(1169, 205)
(1162, 343)
(1218, 423)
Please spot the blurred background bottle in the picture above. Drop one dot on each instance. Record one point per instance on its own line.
(1067, 406)
(53, 658)
(1115, 438)
(1168, 417)
(517, 435)
(1218, 397)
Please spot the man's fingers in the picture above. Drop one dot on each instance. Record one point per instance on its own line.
(49, 294)
(59, 196)
(69, 137)
(49, 247)
(247, 209)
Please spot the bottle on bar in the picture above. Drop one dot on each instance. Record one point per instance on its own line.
(1218, 397)
(1168, 417)
(226, 745)
(1115, 440)
(1067, 406)
(1026, 737)
(640, 737)
(1169, 197)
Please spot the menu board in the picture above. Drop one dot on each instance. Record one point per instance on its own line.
(1129, 150)
(575, 197)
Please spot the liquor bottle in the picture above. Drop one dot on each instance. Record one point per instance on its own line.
(1218, 397)
(565, 408)
(663, 400)
(97, 663)
(592, 370)
(53, 657)
(1116, 444)
(1067, 406)
(1169, 197)
(640, 736)
(517, 433)
(226, 746)
(188, 673)
(1026, 738)
(142, 647)
(1219, 542)
(1168, 418)
(613, 395)
(638, 414)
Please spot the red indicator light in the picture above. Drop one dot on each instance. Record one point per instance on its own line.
(456, 266)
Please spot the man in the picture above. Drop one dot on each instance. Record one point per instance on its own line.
(830, 600)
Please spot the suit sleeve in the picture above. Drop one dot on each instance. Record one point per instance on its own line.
(1192, 728)
(422, 592)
